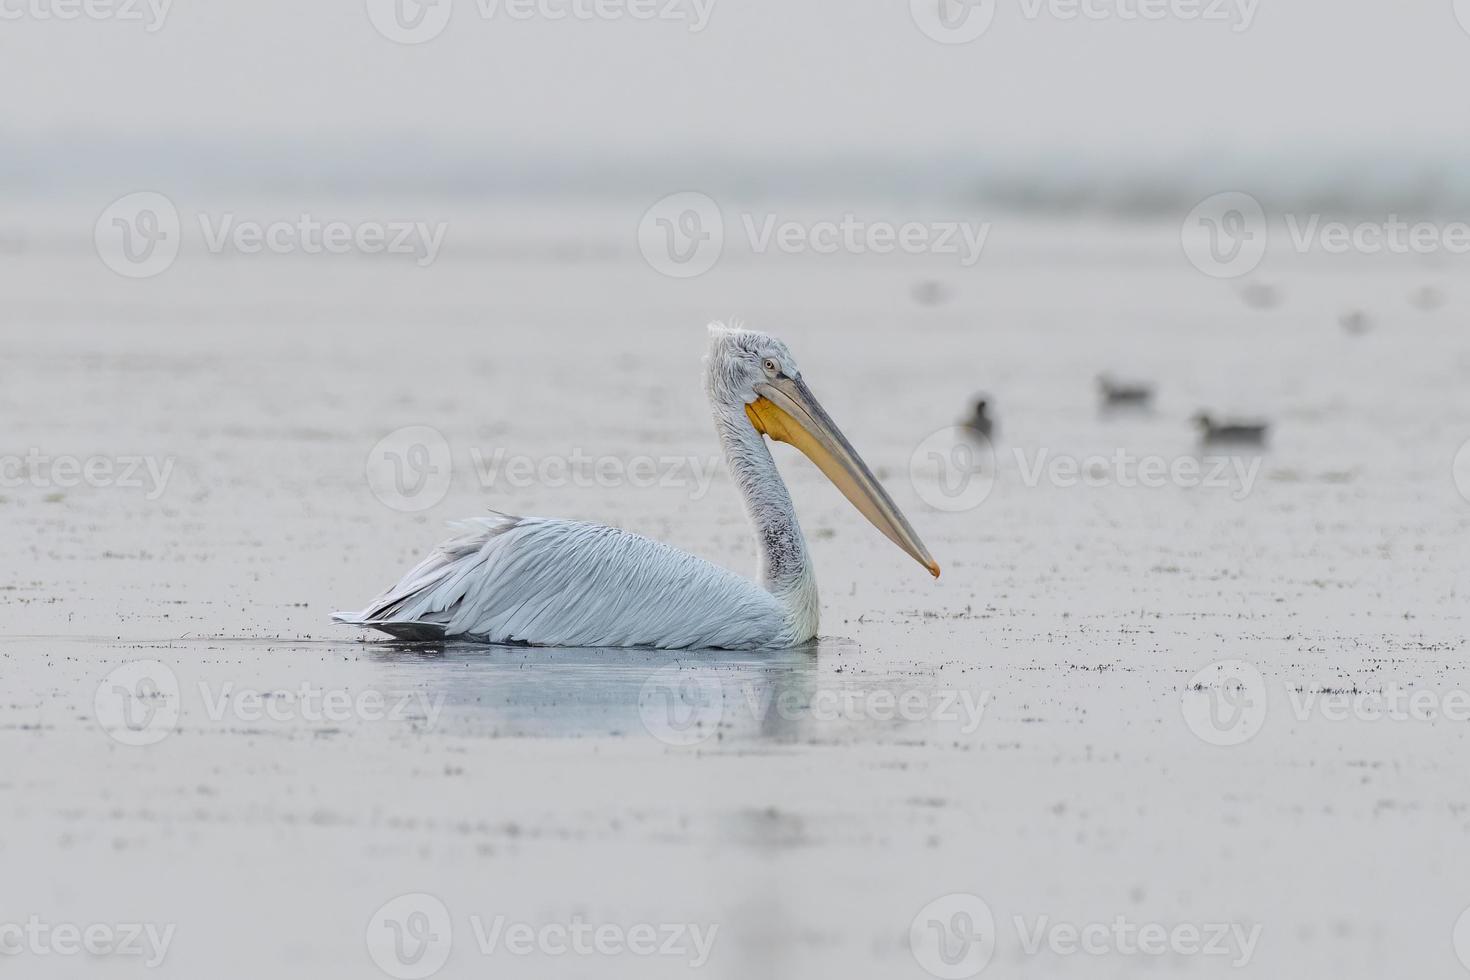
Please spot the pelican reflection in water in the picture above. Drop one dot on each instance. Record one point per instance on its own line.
(552, 582)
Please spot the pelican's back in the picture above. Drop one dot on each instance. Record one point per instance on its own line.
(569, 583)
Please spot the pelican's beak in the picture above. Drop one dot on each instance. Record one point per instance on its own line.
(788, 412)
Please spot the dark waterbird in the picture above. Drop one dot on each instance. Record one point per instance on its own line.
(1231, 432)
(1260, 295)
(1427, 298)
(930, 292)
(1124, 394)
(1356, 322)
(979, 420)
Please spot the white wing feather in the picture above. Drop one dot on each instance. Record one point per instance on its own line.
(568, 583)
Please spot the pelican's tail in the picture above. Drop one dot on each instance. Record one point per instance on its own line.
(423, 603)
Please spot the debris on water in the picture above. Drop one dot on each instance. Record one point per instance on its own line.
(1261, 296)
(1356, 322)
(930, 292)
(1427, 298)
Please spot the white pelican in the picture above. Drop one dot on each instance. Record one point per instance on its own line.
(552, 582)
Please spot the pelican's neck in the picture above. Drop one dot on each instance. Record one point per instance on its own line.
(785, 569)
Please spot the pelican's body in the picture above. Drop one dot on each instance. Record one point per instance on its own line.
(569, 583)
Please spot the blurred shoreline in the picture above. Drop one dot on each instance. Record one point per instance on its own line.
(1422, 183)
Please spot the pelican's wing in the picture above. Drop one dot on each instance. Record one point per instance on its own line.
(568, 583)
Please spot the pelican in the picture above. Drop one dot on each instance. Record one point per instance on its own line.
(550, 582)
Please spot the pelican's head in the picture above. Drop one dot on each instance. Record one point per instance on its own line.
(757, 371)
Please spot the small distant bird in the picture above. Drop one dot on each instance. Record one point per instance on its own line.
(1260, 295)
(1124, 394)
(1233, 432)
(1427, 298)
(1356, 322)
(930, 292)
(979, 421)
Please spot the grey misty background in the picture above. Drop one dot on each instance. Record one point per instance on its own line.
(1333, 105)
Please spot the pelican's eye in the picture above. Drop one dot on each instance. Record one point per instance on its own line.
(772, 368)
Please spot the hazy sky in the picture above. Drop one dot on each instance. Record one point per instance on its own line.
(762, 77)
